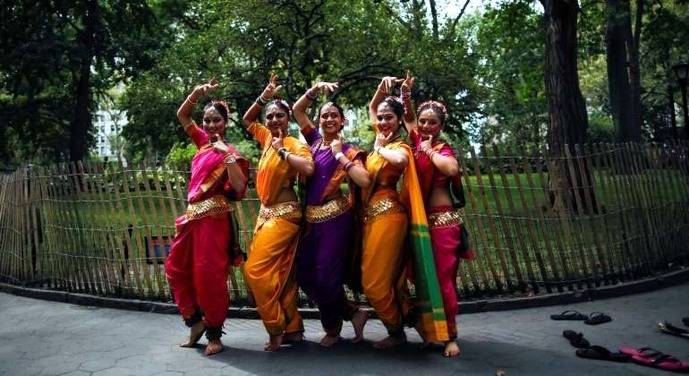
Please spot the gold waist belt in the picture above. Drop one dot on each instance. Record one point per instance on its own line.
(285, 210)
(384, 206)
(210, 206)
(328, 211)
(448, 218)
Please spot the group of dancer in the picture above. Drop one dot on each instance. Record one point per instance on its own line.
(374, 237)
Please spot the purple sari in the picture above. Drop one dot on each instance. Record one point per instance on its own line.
(323, 257)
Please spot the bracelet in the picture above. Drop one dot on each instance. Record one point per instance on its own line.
(377, 148)
(286, 154)
(312, 94)
(230, 159)
(348, 165)
(261, 101)
(283, 152)
(406, 95)
(190, 101)
(339, 155)
(431, 154)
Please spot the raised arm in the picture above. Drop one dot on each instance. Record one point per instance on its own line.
(184, 111)
(409, 113)
(269, 91)
(299, 108)
(384, 87)
(354, 169)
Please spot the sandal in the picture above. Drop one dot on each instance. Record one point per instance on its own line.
(644, 351)
(668, 328)
(596, 318)
(662, 361)
(576, 339)
(569, 315)
(601, 353)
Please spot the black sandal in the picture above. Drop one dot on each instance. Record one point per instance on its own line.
(668, 328)
(576, 339)
(685, 321)
(596, 318)
(569, 314)
(601, 353)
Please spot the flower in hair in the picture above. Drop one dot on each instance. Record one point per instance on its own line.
(433, 105)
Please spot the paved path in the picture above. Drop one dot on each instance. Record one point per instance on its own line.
(47, 338)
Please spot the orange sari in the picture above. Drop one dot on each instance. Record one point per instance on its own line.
(269, 268)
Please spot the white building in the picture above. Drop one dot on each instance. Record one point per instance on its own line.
(108, 126)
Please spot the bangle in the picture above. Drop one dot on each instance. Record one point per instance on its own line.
(261, 101)
(348, 165)
(339, 155)
(312, 94)
(405, 94)
(431, 154)
(281, 152)
(230, 159)
(377, 148)
(190, 101)
(286, 154)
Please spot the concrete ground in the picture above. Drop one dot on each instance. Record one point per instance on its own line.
(48, 338)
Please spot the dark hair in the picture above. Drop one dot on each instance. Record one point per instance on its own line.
(339, 109)
(435, 106)
(282, 104)
(396, 105)
(220, 106)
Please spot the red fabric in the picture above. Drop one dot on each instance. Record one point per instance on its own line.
(197, 266)
(428, 175)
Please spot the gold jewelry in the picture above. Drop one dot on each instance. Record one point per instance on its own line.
(384, 206)
(442, 219)
(327, 211)
(208, 207)
(230, 159)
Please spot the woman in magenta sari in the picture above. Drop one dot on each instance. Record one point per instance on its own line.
(201, 255)
(326, 246)
(437, 168)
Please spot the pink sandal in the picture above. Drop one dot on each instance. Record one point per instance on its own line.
(649, 357)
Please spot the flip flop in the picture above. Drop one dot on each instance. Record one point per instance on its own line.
(601, 353)
(668, 328)
(596, 318)
(569, 314)
(643, 351)
(662, 361)
(576, 339)
(685, 321)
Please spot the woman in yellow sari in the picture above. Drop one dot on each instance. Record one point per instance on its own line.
(392, 218)
(269, 267)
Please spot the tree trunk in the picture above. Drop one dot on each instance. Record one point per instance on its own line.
(81, 123)
(568, 121)
(434, 18)
(633, 43)
(618, 75)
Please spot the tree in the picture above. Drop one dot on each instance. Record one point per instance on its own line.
(622, 47)
(61, 57)
(568, 121)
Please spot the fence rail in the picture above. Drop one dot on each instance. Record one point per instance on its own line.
(599, 214)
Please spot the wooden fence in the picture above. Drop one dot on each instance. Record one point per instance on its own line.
(105, 230)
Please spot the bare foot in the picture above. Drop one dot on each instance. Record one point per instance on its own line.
(358, 322)
(274, 343)
(195, 334)
(391, 341)
(294, 337)
(214, 347)
(329, 341)
(451, 349)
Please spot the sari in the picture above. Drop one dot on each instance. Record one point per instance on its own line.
(328, 239)
(445, 229)
(269, 268)
(391, 219)
(201, 251)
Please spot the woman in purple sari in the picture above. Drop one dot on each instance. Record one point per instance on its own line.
(323, 257)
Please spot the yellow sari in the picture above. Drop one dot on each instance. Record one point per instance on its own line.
(269, 268)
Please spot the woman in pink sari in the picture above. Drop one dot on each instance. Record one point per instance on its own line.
(437, 168)
(201, 252)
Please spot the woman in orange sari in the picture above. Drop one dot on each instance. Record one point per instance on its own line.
(269, 270)
(200, 255)
(437, 167)
(390, 219)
